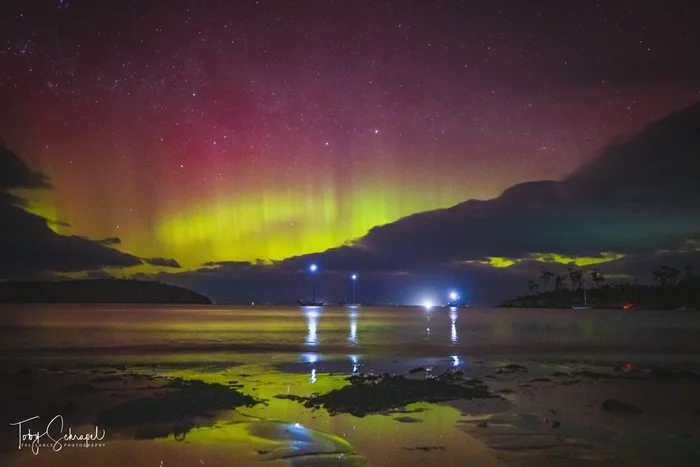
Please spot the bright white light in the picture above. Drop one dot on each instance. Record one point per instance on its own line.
(353, 327)
(453, 295)
(354, 359)
(313, 268)
(354, 276)
(353, 332)
(455, 360)
(312, 378)
(310, 357)
(297, 425)
(428, 304)
(312, 327)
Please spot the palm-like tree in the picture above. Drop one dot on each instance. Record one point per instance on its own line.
(546, 276)
(559, 282)
(688, 271)
(597, 276)
(576, 276)
(533, 286)
(665, 276)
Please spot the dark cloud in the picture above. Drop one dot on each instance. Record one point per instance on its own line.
(639, 197)
(28, 247)
(14, 173)
(99, 274)
(166, 262)
(57, 223)
(642, 265)
(109, 241)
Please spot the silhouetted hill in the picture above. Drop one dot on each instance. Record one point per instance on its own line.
(97, 291)
(658, 166)
(685, 295)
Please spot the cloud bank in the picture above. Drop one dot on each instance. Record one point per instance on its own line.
(635, 207)
(638, 201)
(28, 247)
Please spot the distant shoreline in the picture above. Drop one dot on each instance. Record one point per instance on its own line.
(682, 296)
(104, 291)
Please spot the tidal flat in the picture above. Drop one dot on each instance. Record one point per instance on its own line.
(175, 397)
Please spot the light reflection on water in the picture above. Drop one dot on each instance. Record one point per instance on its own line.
(355, 360)
(198, 329)
(453, 327)
(312, 316)
(353, 326)
(311, 358)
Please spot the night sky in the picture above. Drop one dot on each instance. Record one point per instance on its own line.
(219, 133)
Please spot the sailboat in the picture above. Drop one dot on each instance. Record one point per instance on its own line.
(585, 305)
(310, 303)
(629, 305)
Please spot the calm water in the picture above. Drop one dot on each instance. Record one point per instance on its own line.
(27, 330)
(300, 351)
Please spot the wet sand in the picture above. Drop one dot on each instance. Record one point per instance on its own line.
(547, 413)
(547, 409)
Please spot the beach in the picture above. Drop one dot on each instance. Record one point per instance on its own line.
(540, 387)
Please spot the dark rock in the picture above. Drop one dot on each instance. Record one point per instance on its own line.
(592, 374)
(614, 405)
(188, 399)
(662, 373)
(107, 379)
(291, 397)
(372, 393)
(81, 388)
(416, 370)
(59, 409)
(483, 424)
(407, 419)
(570, 383)
(511, 368)
(400, 410)
(425, 448)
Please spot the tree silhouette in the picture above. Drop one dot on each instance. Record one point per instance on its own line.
(546, 276)
(688, 271)
(559, 282)
(576, 276)
(665, 276)
(673, 276)
(533, 286)
(597, 276)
